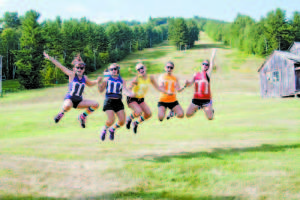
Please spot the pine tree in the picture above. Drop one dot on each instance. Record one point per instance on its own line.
(30, 56)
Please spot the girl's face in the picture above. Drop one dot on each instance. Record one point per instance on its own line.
(114, 70)
(79, 69)
(205, 65)
(169, 68)
(141, 69)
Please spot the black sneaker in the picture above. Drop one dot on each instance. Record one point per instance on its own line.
(58, 117)
(103, 134)
(112, 134)
(134, 127)
(128, 122)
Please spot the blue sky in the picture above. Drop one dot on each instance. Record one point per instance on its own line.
(114, 10)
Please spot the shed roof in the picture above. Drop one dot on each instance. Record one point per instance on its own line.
(296, 44)
(285, 54)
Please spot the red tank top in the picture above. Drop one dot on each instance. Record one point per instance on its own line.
(202, 86)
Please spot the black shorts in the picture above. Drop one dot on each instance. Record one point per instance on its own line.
(169, 105)
(75, 100)
(113, 104)
(132, 99)
(201, 102)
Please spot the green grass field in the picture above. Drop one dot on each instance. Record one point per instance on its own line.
(249, 151)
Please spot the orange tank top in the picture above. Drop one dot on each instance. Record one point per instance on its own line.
(169, 83)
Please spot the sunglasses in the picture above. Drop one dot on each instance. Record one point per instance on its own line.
(170, 67)
(112, 69)
(141, 68)
(82, 68)
(206, 64)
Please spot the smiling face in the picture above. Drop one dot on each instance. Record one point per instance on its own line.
(141, 69)
(114, 69)
(79, 68)
(205, 65)
(169, 67)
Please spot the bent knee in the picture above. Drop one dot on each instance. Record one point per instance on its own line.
(121, 123)
(110, 122)
(180, 115)
(189, 115)
(210, 117)
(147, 115)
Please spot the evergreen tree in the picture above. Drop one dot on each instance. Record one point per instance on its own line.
(30, 56)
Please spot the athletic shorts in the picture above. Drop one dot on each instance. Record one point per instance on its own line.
(202, 102)
(169, 105)
(113, 104)
(131, 99)
(75, 100)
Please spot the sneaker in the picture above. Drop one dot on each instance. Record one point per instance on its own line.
(112, 134)
(58, 117)
(81, 119)
(103, 134)
(134, 127)
(170, 115)
(128, 122)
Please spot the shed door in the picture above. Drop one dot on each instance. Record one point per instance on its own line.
(297, 79)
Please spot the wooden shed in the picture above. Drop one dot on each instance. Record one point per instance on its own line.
(295, 48)
(280, 75)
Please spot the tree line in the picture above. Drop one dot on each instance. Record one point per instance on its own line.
(273, 32)
(23, 40)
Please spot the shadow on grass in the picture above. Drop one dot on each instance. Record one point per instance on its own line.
(11, 197)
(167, 195)
(207, 46)
(218, 152)
(130, 195)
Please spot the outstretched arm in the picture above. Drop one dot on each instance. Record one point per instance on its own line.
(94, 82)
(212, 59)
(178, 88)
(126, 91)
(188, 83)
(156, 86)
(59, 65)
(102, 86)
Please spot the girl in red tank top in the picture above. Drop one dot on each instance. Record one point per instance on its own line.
(202, 93)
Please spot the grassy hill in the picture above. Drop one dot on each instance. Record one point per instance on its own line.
(249, 151)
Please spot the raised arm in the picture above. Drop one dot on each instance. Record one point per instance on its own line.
(102, 85)
(59, 65)
(212, 59)
(94, 82)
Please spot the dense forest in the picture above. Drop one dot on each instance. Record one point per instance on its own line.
(273, 32)
(23, 40)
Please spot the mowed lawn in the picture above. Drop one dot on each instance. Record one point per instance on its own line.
(251, 150)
